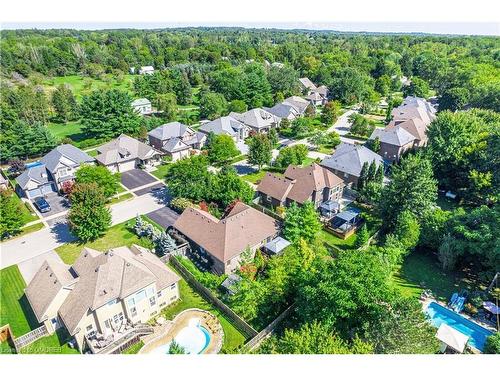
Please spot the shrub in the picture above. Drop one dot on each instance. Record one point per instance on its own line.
(492, 345)
(179, 204)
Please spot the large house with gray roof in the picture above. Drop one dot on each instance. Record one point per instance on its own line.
(50, 173)
(226, 125)
(394, 142)
(103, 295)
(142, 106)
(258, 120)
(126, 153)
(347, 161)
(224, 241)
(176, 139)
(285, 110)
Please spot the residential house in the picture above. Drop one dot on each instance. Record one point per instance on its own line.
(102, 295)
(347, 161)
(306, 85)
(146, 70)
(142, 106)
(415, 126)
(4, 183)
(225, 241)
(299, 103)
(316, 99)
(50, 173)
(313, 183)
(227, 125)
(394, 142)
(126, 153)
(285, 110)
(175, 139)
(257, 120)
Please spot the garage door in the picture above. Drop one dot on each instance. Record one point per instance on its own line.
(34, 193)
(46, 189)
(126, 166)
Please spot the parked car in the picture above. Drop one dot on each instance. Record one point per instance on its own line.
(42, 205)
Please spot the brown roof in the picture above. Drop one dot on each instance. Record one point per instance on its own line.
(49, 280)
(228, 237)
(414, 126)
(104, 276)
(299, 183)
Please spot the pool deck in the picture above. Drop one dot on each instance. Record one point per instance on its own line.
(167, 332)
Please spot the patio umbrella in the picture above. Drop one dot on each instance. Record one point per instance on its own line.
(491, 307)
(452, 338)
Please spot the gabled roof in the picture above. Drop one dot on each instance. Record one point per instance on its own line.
(105, 276)
(74, 154)
(397, 136)
(37, 174)
(122, 149)
(175, 144)
(298, 183)
(314, 96)
(228, 237)
(300, 103)
(140, 101)
(48, 281)
(171, 130)
(349, 158)
(284, 110)
(257, 118)
(223, 125)
(307, 83)
(415, 126)
(277, 245)
(322, 90)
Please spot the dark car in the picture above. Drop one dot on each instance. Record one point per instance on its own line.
(42, 205)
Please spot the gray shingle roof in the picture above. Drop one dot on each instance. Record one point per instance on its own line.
(170, 130)
(257, 118)
(223, 125)
(37, 174)
(350, 158)
(307, 83)
(175, 144)
(140, 101)
(300, 103)
(396, 136)
(284, 110)
(122, 149)
(52, 159)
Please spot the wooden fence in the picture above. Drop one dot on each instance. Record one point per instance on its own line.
(266, 211)
(266, 332)
(245, 328)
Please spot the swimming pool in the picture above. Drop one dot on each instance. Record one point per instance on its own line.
(477, 334)
(194, 339)
(33, 164)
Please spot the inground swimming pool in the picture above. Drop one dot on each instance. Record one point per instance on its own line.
(194, 339)
(477, 334)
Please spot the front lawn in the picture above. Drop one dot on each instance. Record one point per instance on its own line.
(190, 299)
(120, 198)
(118, 235)
(16, 311)
(161, 171)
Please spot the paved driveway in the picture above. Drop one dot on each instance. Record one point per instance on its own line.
(57, 204)
(165, 216)
(151, 189)
(136, 178)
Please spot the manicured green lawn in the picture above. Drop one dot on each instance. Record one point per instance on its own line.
(26, 210)
(121, 198)
(31, 229)
(118, 235)
(333, 240)
(161, 171)
(134, 349)
(16, 311)
(190, 299)
(93, 153)
(422, 271)
(326, 149)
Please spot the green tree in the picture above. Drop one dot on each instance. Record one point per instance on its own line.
(418, 87)
(212, 105)
(108, 113)
(407, 230)
(363, 176)
(189, 178)
(362, 237)
(10, 219)
(88, 217)
(349, 85)
(301, 222)
(228, 187)
(294, 155)
(492, 345)
(64, 103)
(238, 106)
(221, 148)
(181, 86)
(167, 103)
(273, 137)
(454, 99)
(283, 79)
(412, 188)
(175, 348)
(259, 150)
(108, 182)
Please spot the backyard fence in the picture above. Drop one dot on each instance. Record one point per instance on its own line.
(245, 328)
(29, 337)
(266, 211)
(256, 340)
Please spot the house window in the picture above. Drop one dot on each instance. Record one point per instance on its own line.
(268, 198)
(140, 296)
(133, 311)
(89, 328)
(118, 318)
(112, 302)
(152, 301)
(63, 172)
(131, 302)
(172, 287)
(107, 323)
(158, 294)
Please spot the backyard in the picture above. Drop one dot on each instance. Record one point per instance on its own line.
(15, 311)
(255, 177)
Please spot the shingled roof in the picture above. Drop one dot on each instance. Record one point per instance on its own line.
(122, 149)
(349, 158)
(171, 130)
(228, 237)
(397, 136)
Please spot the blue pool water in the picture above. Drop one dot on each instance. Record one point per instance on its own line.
(33, 164)
(194, 339)
(439, 314)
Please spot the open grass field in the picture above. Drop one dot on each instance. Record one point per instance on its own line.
(83, 85)
(190, 299)
(16, 311)
(118, 235)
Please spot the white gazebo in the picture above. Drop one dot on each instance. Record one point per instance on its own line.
(451, 338)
